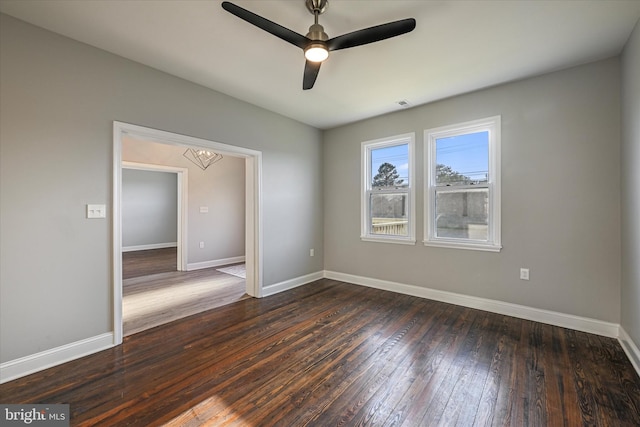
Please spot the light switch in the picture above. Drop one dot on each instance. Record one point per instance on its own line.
(204, 209)
(96, 211)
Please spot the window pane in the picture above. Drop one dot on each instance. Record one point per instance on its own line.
(389, 214)
(462, 159)
(462, 214)
(390, 167)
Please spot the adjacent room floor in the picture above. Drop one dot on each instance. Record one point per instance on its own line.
(154, 293)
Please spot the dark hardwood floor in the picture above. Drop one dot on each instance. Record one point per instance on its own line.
(148, 262)
(335, 354)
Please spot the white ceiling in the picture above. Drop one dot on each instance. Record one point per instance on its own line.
(457, 46)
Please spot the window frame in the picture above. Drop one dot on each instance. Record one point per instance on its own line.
(492, 125)
(366, 190)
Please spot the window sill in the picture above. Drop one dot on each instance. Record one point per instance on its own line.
(395, 240)
(460, 245)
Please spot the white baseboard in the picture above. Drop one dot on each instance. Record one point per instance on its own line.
(214, 263)
(36, 362)
(578, 323)
(151, 246)
(46, 359)
(291, 283)
(629, 347)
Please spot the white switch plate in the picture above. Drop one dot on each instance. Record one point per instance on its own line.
(96, 211)
(201, 245)
(204, 209)
(524, 274)
(311, 252)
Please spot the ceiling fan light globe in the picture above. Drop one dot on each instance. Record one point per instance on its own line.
(316, 53)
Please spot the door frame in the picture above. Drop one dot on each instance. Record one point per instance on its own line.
(253, 205)
(182, 175)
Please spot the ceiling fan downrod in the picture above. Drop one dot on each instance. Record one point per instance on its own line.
(317, 50)
(316, 31)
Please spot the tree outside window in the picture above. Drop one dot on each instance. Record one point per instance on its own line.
(387, 191)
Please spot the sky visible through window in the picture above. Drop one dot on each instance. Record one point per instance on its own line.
(397, 155)
(466, 154)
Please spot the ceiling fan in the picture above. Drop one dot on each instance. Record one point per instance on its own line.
(317, 44)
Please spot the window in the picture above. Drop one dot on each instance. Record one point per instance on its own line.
(387, 203)
(462, 203)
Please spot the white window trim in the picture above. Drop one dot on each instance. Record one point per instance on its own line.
(366, 148)
(493, 126)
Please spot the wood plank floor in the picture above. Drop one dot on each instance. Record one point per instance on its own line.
(154, 300)
(154, 293)
(148, 262)
(335, 354)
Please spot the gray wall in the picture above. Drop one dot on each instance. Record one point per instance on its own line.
(561, 149)
(560, 196)
(220, 188)
(149, 208)
(630, 296)
(58, 101)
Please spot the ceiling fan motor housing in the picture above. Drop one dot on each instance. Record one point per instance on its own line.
(316, 51)
(316, 32)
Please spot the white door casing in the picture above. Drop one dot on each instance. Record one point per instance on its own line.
(253, 211)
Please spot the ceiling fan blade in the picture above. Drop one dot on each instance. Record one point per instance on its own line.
(372, 34)
(311, 70)
(269, 26)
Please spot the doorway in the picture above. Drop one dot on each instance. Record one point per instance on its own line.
(157, 220)
(253, 220)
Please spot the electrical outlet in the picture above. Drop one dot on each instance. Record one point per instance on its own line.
(524, 274)
(201, 245)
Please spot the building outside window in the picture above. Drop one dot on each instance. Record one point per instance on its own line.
(462, 200)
